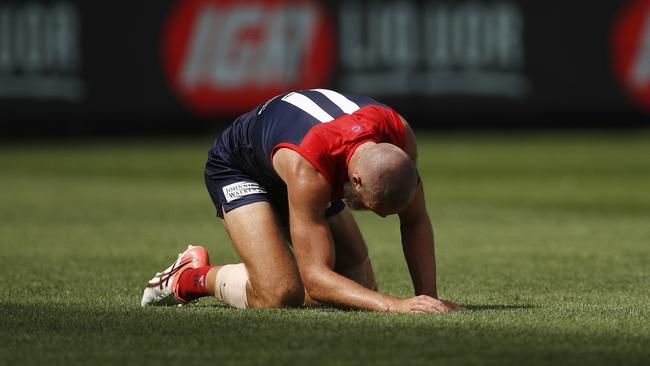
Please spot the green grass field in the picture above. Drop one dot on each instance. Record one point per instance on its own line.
(545, 238)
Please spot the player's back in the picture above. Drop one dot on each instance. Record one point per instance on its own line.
(287, 118)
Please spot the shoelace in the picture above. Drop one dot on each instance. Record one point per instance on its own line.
(164, 277)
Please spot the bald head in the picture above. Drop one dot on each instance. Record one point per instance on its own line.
(385, 178)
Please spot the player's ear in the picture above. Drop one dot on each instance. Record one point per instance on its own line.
(355, 179)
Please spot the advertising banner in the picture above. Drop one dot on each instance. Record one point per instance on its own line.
(193, 65)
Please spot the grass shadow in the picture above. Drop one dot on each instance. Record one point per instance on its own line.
(499, 307)
(330, 308)
(37, 334)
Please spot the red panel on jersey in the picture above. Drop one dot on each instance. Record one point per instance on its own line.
(329, 146)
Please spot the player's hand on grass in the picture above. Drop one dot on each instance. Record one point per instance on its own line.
(424, 304)
(452, 306)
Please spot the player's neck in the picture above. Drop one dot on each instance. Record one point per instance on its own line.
(356, 155)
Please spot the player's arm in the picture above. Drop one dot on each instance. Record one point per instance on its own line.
(418, 245)
(313, 245)
(417, 234)
(314, 249)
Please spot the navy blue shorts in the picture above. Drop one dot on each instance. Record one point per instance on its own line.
(231, 187)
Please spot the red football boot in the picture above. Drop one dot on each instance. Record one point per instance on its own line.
(163, 288)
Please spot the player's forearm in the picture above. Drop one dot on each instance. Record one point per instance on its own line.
(326, 286)
(315, 257)
(419, 251)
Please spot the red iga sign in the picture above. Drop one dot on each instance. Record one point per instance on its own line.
(223, 57)
(631, 50)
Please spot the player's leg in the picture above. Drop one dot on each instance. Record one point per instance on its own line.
(268, 276)
(352, 259)
(274, 280)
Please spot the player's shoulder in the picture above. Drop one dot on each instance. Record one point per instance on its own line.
(410, 144)
(291, 166)
(300, 176)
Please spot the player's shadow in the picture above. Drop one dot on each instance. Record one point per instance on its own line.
(329, 308)
(499, 307)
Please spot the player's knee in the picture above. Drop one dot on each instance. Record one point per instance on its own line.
(287, 294)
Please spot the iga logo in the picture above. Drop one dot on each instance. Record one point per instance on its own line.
(223, 57)
(631, 50)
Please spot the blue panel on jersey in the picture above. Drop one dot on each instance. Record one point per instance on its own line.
(323, 102)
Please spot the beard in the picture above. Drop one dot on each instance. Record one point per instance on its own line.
(353, 198)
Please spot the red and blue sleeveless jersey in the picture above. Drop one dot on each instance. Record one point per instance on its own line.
(323, 126)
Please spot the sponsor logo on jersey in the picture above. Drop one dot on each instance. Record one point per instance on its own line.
(631, 50)
(223, 57)
(240, 189)
(409, 47)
